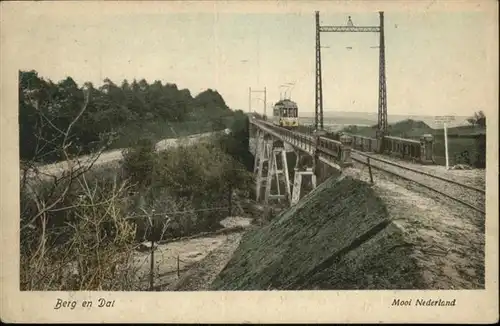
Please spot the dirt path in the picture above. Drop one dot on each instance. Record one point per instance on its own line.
(200, 258)
(165, 259)
(449, 238)
(115, 155)
(201, 275)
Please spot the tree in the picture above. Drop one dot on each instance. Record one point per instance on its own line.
(236, 144)
(80, 218)
(115, 116)
(139, 163)
(74, 234)
(479, 119)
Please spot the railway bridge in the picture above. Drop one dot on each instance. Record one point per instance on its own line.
(338, 152)
(316, 153)
(271, 164)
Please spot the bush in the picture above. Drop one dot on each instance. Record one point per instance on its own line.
(139, 162)
(188, 189)
(81, 243)
(79, 231)
(481, 152)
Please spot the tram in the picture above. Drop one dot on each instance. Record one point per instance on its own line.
(285, 114)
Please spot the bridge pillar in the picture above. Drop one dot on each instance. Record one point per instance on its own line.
(427, 149)
(262, 156)
(297, 183)
(259, 140)
(346, 150)
(281, 175)
(299, 173)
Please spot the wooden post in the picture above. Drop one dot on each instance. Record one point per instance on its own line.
(152, 265)
(178, 267)
(446, 145)
(369, 169)
(230, 199)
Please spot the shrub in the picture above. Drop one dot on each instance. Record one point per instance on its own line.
(82, 243)
(481, 151)
(188, 187)
(139, 162)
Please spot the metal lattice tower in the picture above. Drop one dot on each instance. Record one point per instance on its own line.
(318, 117)
(382, 87)
(382, 100)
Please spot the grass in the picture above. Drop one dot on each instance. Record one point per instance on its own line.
(455, 147)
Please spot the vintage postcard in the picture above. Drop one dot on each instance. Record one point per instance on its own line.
(249, 161)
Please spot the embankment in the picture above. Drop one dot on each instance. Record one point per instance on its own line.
(340, 236)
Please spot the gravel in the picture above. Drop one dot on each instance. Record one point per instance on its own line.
(469, 196)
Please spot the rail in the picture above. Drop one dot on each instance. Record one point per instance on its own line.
(420, 172)
(423, 184)
(329, 151)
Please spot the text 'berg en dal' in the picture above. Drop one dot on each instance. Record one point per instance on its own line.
(71, 304)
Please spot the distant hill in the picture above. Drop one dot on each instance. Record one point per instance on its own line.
(407, 129)
(340, 120)
(371, 118)
(410, 128)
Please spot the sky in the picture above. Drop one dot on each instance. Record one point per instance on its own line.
(437, 62)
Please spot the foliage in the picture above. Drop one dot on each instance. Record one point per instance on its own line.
(87, 249)
(139, 161)
(480, 152)
(185, 189)
(257, 115)
(479, 119)
(79, 228)
(236, 144)
(115, 114)
(74, 231)
(79, 231)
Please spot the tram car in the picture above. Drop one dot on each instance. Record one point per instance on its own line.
(285, 114)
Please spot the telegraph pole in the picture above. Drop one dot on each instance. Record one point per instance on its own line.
(249, 99)
(349, 27)
(265, 102)
(250, 92)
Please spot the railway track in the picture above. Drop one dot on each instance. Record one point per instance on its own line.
(466, 195)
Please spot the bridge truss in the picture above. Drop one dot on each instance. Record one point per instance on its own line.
(382, 99)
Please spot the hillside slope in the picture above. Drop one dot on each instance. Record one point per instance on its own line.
(343, 236)
(305, 250)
